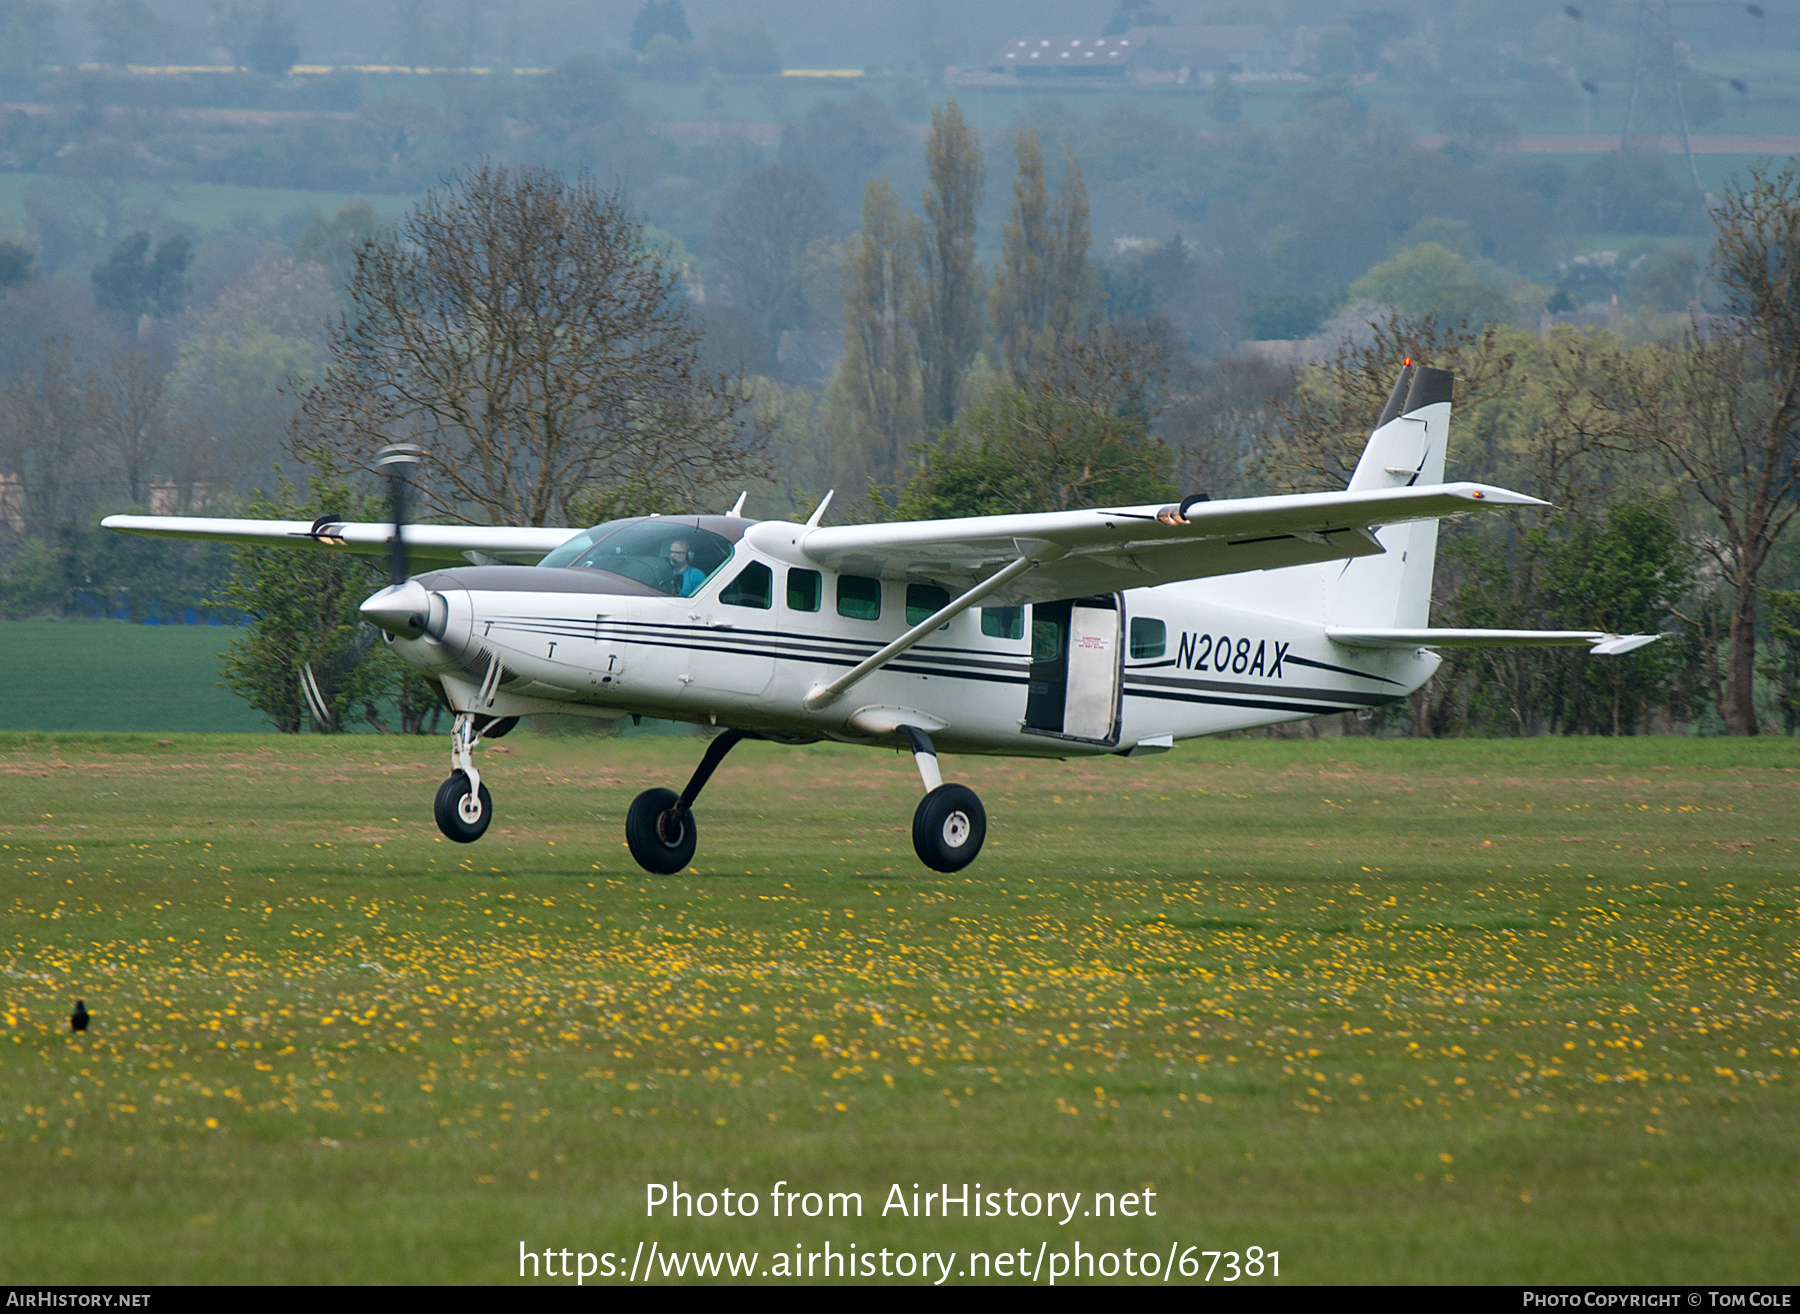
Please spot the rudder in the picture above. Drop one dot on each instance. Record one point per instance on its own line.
(1406, 450)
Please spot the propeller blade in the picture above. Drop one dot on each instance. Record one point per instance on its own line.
(398, 461)
(315, 698)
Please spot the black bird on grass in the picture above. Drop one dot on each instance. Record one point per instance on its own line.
(78, 1020)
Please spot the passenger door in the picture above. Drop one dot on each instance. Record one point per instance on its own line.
(721, 662)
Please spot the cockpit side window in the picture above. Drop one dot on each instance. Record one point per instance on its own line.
(665, 554)
(753, 587)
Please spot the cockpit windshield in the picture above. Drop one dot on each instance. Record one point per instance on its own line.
(663, 553)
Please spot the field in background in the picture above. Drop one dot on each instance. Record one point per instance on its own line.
(113, 675)
(207, 206)
(1405, 1012)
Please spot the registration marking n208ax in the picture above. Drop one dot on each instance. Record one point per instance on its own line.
(1222, 652)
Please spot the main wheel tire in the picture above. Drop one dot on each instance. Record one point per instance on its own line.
(661, 843)
(460, 817)
(948, 828)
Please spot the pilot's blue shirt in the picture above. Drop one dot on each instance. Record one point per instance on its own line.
(691, 578)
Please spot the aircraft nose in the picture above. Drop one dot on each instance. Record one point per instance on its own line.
(406, 610)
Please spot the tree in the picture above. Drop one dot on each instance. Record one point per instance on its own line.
(948, 319)
(237, 377)
(1194, 296)
(1723, 410)
(126, 31)
(875, 392)
(27, 37)
(1224, 103)
(395, 127)
(135, 281)
(1668, 280)
(845, 144)
(518, 325)
(1044, 289)
(1626, 573)
(272, 50)
(1325, 423)
(1620, 567)
(332, 242)
(131, 415)
(46, 418)
(769, 219)
(18, 263)
(579, 93)
(742, 49)
(1074, 436)
(1430, 279)
(303, 610)
(1780, 662)
(659, 18)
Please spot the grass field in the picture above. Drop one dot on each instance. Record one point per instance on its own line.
(107, 674)
(1402, 1012)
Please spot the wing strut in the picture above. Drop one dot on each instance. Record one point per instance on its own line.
(1032, 554)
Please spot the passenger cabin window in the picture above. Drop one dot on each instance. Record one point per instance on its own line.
(1047, 639)
(923, 601)
(665, 554)
(1003, 622)
(753, 587)
(859, 597)
(1149, 638)
(803, 590)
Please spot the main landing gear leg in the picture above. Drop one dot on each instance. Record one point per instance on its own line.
(950, 823)
(659, 826)
(463, 806)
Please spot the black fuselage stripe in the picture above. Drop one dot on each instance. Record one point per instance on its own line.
(1306, 709)
(738, 641)
(1337, 670)
(898, 664)
(1288, 691)
(927, 661)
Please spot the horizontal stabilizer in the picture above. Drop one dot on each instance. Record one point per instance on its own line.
(1598, 642)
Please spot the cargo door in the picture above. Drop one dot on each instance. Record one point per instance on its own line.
(1074, 690)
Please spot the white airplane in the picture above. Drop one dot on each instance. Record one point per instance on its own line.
(1061, 634)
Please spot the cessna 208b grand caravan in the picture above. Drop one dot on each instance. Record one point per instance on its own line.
(1064, 634)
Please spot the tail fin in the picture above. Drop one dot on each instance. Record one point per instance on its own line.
(1405, 450)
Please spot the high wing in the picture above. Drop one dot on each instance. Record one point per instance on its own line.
(1599, 643)
(1103, 551)
(425, 544)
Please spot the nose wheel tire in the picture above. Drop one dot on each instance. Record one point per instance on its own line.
(948, 828)
(462, 816)
(661, 841)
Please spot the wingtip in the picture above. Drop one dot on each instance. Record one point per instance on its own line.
(1617, 645)
(1497, 496)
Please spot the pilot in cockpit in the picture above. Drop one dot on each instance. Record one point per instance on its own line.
(686, 576)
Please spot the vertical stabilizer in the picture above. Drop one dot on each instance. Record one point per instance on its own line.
(1406, 450)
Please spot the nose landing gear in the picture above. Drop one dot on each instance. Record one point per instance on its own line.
(463, 806)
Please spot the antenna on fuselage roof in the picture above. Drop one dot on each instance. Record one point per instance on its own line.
(737, 507)
(812, 521)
